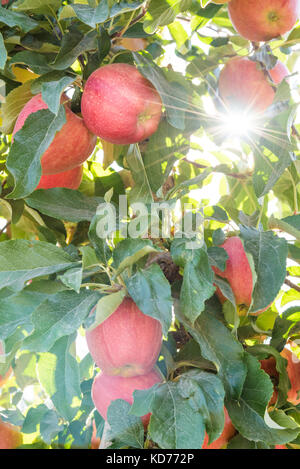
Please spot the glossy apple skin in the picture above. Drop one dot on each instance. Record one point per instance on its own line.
(120, 105)
(70, 179)
(71, 146)
(107, 388)
(262, 20)
(10, 436)
(293, 371)
(238, 271)
(226, 435)
(127, 343)
(245, 87)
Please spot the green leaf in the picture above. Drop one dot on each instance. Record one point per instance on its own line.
(33, 418)
(196, 288)
(274, 154)
(64, 204)
(293, 220)
(173, 94)
(13, 105)
(163, 12)
(239, 442)
(248, 412)
(12, 18)
(151, 291)
(72, 278)
(3, 53)
(287, 324)
(50, 426)
(124, 7)
(102, 250)
(220, 347)
(22, 260)
(73, 44)
(262, 351)
(197, 285)
(58, 372)
(182, 411)
(163, 147)
(106, 306)
(130, 251)
(25, 370)
(217, 256)
(126, 429)
(92, 16)
(38, 63)
(269, 254)
(58, 316)
(16, 310)
(141, 191)
(51, 85)
(30, 143)
(38, 6)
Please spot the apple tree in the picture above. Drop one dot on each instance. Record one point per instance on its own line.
(149, 224)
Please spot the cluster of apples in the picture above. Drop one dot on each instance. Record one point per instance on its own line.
(242, 84)
(118, 104)
(125, 347)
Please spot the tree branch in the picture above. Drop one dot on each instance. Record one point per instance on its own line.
(203, 166)
(292, 285)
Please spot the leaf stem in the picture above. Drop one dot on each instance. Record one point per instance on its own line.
(274, 223)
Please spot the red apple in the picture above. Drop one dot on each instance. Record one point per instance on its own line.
(262, 20)
(244, 86)
(120, 105)
(71, 146)
(70, 179)
(4, 2)
(10, 436)
(238, 271)
(107, 388)
(239, 275)
(293, 370)
(225, 436)
(127, 343)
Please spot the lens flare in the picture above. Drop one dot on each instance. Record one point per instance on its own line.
(239, 123)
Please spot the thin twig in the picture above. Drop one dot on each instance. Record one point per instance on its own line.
(134, 21)
(203, 166)
(292, 285)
